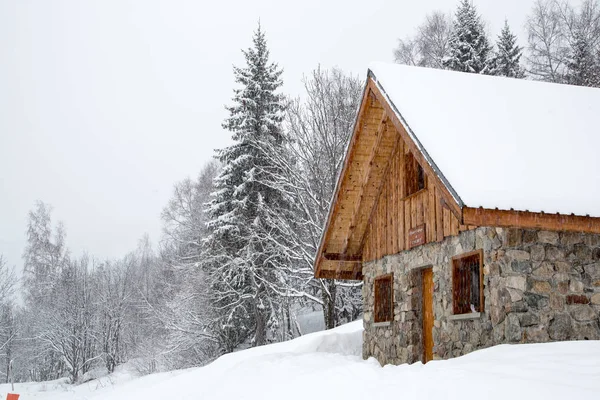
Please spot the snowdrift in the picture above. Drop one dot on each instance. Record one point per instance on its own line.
(328, 365)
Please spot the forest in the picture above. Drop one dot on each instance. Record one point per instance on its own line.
(234, 266)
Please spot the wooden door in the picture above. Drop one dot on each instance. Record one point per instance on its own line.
(427, 315)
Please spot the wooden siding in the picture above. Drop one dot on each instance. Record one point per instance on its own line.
(395, 214)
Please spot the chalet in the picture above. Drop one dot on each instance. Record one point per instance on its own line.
(469, 206)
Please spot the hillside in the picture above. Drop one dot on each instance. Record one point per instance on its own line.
(327, 365)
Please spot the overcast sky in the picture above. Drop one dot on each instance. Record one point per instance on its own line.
(104, 105)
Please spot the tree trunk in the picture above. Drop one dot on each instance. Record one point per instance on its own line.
(329, 311)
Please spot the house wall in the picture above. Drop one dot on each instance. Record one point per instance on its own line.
(539, 286)
(396, 213)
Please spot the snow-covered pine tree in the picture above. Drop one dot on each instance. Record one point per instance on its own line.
(583, 68)
(506, 61)
(246, 249)
(469, 45)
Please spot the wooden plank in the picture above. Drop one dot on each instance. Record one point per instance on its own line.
(530, 220)
(341, 257)
(439, 217)
(407, 225)
(453, 225)
(431, 229)
(428, 314)
(446, 221)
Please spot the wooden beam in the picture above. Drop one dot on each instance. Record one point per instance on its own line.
(452, 204)
(342, 275)
(531, 220)
(342, 257)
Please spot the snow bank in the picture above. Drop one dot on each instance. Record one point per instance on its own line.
(502, 142)
(327, 365)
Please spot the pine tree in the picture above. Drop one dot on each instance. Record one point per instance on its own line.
(246, 249)
(469, 45)
(582, 67)
(506, 61)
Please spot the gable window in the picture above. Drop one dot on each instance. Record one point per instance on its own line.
(467, 283)
(414, 175)
(384, 306)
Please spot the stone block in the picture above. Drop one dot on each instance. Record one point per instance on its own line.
(536, 334)
(518, 255)
(545, 269)
(586, 331)
(554, 253)
(537, 252)
(563, 267)
(542, 287)
(557, 302)
(497, 314)
(582, 312)
(576, 286)
(560, 327)
(570, 238)
(529, 236)
(547, 237)
(516, 282)
(515, 295)
(512, 329)
(535, 301)
(518, 307)
(529, 319)
(522, 267)
(514, 237)
(593, 270)
(595, 299)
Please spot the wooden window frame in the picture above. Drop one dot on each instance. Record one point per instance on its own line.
(409, 177)
(376, 304)
(454, 264)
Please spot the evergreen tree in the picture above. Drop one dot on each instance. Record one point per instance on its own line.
(469, 45)
(582, 67)
(247, 247)
(507, 58)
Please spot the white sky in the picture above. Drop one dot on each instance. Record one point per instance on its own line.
(104, 105)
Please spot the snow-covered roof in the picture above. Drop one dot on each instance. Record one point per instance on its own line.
(502, 142)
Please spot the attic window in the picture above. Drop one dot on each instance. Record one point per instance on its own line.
(467, 283)
(384, 308)
(415, 176)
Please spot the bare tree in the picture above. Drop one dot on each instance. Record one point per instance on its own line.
(320, 127)
(430, 45)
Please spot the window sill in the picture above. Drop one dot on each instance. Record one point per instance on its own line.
(381, 324)
(458, 317)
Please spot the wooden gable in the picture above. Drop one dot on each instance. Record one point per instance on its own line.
(372, 213)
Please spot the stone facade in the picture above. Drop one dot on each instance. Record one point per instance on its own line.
(539, 286)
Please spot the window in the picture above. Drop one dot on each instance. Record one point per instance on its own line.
(415, 176)
(467, 283)
(384, 306)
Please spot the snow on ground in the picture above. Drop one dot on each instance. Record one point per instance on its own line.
(327, 365)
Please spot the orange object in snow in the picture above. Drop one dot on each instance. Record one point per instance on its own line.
(12, 396)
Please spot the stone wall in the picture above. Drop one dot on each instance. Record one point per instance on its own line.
(539, 286)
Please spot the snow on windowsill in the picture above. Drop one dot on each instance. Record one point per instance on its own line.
(457, 317)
